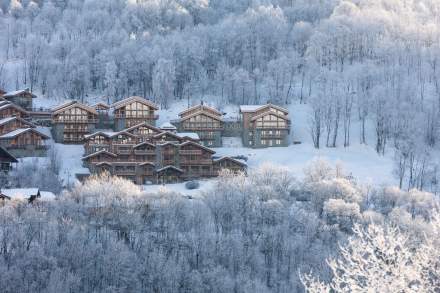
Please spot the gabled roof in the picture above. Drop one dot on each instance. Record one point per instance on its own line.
(63, 105)
(145, 124)
(255, 108)
(229, 159)
(4, 154)
(168, 126)
(99, 153)
(168, 133)
(270, 113)
(21, 193)
(197, 145)
(109, 134)
(169, 167)
(144, 143)
(132, 99)
(75, 105)
(101, 104)
(219, 118)
(9, 119)
(103, 163)
(190, 135)
(19, 131)
(7, 104)
(201, 108)
(17, 93)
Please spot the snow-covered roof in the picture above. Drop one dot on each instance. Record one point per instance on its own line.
(250, 108)
(18, 92)
(132, 99)
(6, 120)
(168, 125)
(63, 105)
(7, 104)
(191, 135)
(20, 193)
(229, 159)
(169, 167)
(20, 131)
(9, 119)
(47, 196)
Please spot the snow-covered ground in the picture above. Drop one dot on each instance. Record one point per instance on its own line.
(360, 160)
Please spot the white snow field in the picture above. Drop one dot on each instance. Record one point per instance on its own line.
(361, 161)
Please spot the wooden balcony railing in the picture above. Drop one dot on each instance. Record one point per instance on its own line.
(201, 126)
(140, 117)
(76, 121)
(196, 162)
(144, 152)
(190, 152)
(27, 146)
(76, 130)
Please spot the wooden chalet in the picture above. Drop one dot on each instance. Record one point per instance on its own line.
(25, 142)
(72, 121)
(133, 111)
(12, 123)
(145, 154)
(265, 126)
(6, 160)
(206, 121)
(22, 98)
(103, 111)
(8, 109)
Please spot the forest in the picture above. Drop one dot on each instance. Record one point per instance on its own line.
(369, 63)
(369, 70)
(264, 232)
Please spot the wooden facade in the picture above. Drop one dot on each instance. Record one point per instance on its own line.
(265, 126)
(72, 121)
(6, 160)
(145, 154)
(25, 142)
(22, 98)
(12, 123)
(8, 109)
(206, 121)
(133, 111)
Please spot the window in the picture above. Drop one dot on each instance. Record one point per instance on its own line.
(278, 142)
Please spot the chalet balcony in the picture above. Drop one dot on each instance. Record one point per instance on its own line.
(76, 121)
(123, 151)
(144, 152)
(201, 126)
(124, 172)
(274, 136)
(144, 117)
(272, 127)
(190, 152)
(26, 146)
(196, 162)
(76, 130)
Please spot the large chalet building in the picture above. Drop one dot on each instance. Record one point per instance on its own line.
(146, 154)
(206, 121)
(264, 126)
(22, 98)
(72, 121)
(8, 109)
(21, 138)
(132, 111)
